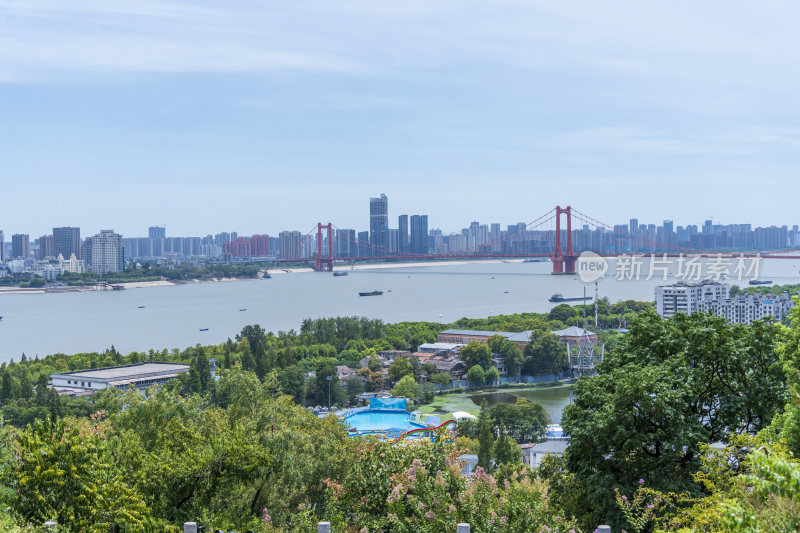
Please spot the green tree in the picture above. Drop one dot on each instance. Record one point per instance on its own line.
(399, 368)
(492, 375)
(62, 476)
(441, 378)
(406, 387)
(544, 354)
(668, 386)
(354, 387)
(227, 362)
(260, 359)
(485, 439)
(6, 393)
(476, 376)
(293, 381)
(253, 333)
(374, 363)
(476, 353)
(506, 450)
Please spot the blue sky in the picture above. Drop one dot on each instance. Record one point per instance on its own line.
(261, 116)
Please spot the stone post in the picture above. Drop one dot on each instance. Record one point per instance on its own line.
(324, 527)
(462, 528)
(190, 527)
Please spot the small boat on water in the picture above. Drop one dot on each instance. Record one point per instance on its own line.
(203, 329)
(373, 293)
(266, 276)
(118, 287)
(558, 297)
(140, 307)
(339, 274)
(536, 260)
(245, 309)
(759, 282)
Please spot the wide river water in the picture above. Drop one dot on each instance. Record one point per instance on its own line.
(173, 316)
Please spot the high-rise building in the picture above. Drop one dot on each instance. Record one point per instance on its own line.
(402, 225)
(86, 251)
(46, 248)
(20, 245)
(364, 248)
(260, 245)
(688, 297)
(2, 246)
(419, 234)
(67, 241)
(107, 252)
(157, 232)
(290, 245)
(394, 240)
(379, 224)
(345, 244)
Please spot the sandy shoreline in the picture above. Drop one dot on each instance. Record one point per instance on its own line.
(377, 266)
(272, 272)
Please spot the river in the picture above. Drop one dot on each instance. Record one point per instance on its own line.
(173, 316)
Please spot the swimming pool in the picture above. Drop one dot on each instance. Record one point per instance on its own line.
(381, 420)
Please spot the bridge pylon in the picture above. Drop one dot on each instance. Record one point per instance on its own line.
(563, 262)
(324, 263)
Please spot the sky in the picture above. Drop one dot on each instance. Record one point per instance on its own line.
(259, 116)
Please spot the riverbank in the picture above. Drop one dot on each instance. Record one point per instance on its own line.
(399, 264)
(271, 272)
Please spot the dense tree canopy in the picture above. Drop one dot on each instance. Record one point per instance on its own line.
(667, 387)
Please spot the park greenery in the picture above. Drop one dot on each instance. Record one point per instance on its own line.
(153, 272)
(691, 424)
(145, 271)
(793, 289)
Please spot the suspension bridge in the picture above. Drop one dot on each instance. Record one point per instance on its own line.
(560, 249)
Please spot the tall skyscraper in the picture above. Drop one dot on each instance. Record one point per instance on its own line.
(46, 247)
(364, 249)
(107, 252)
(379, 224)
(419, 234)
(86, 251)
(345, 243)
(402, 224)
(20, 245)
(2, 246)
(67, 241)
(290, 245)
(157, 232)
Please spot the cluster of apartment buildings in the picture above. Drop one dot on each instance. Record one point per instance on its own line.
(62, 251)
(714, 297)
(411, 237)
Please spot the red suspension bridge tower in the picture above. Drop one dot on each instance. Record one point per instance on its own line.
(564, 263)
(324, 263)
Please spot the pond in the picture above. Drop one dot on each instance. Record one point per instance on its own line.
(553, 399)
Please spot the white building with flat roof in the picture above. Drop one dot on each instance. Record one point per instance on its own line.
(107, 252)
(745, 308)
(687, 298)
(714, 297)
(138, 375)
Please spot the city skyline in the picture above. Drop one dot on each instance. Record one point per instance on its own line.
(254, 116)
(156, 231)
